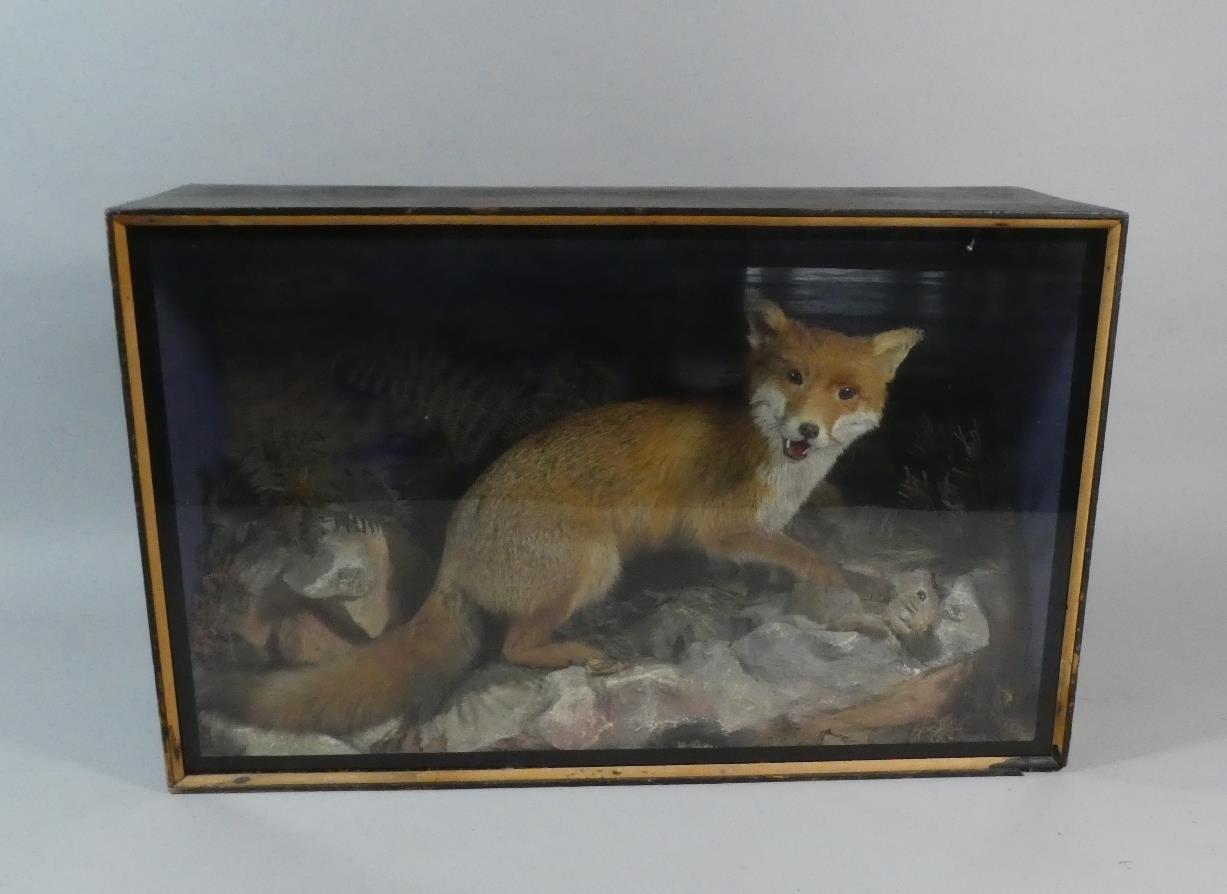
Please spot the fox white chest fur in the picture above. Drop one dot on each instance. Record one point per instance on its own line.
(790, 480)
(789, 484)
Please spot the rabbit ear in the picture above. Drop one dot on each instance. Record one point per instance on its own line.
(765, 320)
(892, 346)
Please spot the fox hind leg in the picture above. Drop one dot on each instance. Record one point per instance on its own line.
(529, 641)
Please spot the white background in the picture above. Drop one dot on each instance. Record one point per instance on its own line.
(1111, 102)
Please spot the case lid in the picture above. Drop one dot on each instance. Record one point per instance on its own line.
(945, 201)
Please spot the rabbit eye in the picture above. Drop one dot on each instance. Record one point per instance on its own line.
(794, 376)
(922, 595)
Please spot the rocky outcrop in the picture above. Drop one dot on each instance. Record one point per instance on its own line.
(306, 604)
(722, 663)
(705, 676)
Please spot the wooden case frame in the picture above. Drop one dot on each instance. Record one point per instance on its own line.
(305, 207)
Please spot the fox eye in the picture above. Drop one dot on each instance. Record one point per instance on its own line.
(794, 376)
(847, 393)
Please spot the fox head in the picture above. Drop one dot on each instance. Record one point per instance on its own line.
(816, 389)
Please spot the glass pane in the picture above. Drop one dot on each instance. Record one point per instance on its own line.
(466, 496)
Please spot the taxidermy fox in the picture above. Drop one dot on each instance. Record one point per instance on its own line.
(545, 530)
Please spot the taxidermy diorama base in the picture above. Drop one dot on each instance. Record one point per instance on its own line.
(728, 658)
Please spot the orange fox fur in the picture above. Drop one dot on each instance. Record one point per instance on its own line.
(545, 530)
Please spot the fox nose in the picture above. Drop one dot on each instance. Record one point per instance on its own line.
(808, 430)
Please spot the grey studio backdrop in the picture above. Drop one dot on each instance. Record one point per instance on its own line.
(1111, 102)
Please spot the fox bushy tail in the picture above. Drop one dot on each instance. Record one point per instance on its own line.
(411, 665)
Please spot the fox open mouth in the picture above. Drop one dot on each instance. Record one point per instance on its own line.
(796, 450)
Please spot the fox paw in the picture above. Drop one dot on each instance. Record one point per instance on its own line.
(604, 665)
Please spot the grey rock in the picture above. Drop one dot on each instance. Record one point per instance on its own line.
(260, 563)
(962, 629)
(222, 736)
(740, 701)
(351, 566)
(649, 701)
(761, 612)
(695, 614)
(496, 708)
(723, 684)
(795, 647)
(371, 738)
(578, 717)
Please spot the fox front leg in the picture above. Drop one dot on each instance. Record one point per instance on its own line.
(771, 548)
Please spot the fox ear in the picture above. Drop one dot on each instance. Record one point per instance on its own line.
(766, 320)
(892, 346)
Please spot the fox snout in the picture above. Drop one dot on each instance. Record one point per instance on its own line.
(843, 431)
(814, 432)
(809, 435)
